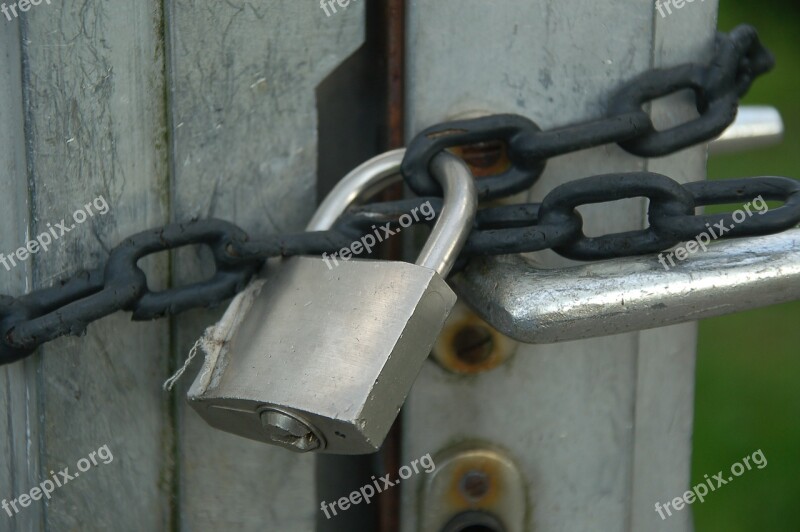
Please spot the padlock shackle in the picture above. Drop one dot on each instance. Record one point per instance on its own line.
(455, 222)
(458, 214)
(359, 184)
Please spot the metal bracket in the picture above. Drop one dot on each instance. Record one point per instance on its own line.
(756, 126)
(553, 305)
(475, 486)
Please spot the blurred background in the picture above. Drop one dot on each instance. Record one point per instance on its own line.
(748, 366)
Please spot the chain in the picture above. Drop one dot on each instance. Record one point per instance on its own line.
(738, 60)
(67, 308)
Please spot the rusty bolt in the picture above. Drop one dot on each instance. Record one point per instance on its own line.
(475, 485)
(485, 158)
(473, 344)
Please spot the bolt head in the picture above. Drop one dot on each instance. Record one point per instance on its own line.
(475, 485)
(473, 344)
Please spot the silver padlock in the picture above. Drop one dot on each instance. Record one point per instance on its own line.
(324, 358)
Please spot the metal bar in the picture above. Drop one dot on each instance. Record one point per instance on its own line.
(535, 305)
(756, 126)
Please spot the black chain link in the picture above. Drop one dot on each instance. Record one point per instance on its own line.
(555, 223)
(38, 317)
(738, 60)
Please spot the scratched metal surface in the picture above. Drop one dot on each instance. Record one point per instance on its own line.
(601, 429)
(169, 110)
(92, 86)
(242, 81)
(19, 456)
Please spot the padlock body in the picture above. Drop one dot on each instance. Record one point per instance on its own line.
(338, 347)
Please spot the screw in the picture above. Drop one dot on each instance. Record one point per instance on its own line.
(289, 432)
(473, 344)
(475, 484)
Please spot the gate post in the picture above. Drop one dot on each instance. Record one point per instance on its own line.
(599, 429)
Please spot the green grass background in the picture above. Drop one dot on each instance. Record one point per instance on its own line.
(748, 366)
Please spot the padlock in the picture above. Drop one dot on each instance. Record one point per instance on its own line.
(325, 356)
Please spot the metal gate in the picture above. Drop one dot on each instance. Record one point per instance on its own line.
(177, 109)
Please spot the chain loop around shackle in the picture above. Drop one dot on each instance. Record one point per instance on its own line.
(67, 308)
